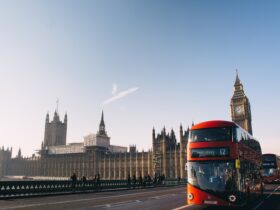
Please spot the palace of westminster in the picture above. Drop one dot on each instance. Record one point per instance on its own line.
(95, 155)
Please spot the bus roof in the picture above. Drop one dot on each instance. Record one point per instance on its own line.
(269, 154)
(213, 124)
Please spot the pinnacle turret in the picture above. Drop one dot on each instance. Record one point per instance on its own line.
(154, 133)
(65, 118)
(102, 130)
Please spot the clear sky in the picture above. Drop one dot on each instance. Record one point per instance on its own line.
(163, 62)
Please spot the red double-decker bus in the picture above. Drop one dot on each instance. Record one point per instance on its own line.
(223, 164)
(270, 168)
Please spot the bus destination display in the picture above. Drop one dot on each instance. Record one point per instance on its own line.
(210, 152)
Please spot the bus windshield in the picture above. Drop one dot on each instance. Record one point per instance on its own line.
(269, 172)
(215, 176)
(211, 134)
(271, 164)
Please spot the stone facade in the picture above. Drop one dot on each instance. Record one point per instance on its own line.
(55, 131)
(169, 157)
(97, 156)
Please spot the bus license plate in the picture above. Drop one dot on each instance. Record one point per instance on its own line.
(210, 202)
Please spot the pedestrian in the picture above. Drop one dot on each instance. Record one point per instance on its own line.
(95, 182)
(73, 179)
(140, 181)
(98, 182)
(134, 180)
(128, 180)
(149, 179)
(84, 179)
(145, 181)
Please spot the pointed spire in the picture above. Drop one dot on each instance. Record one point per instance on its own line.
(102, 130)
(172, 134)
(65, 118)
(57, 102)
(237, 80)
(48, 118)
(55, 116)
(238, 87)
(181, 130)
(102, 118)
(19, 153)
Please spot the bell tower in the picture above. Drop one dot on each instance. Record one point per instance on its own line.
(240, 106)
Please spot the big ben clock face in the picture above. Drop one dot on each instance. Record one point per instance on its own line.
(238, 110)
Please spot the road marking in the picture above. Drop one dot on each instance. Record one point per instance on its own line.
(258, 205)
(163, 196)
(84, 199)
(182, 207)
(267, 197)
(119, 204)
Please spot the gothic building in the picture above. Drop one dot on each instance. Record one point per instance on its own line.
(95, 155)
(55, 131)
(240, 107)
(169, 157)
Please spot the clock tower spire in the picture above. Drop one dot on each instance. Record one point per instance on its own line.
(102, 130)
(240, 106)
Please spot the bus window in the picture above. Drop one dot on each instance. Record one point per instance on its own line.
(237, 134)
(211, 134)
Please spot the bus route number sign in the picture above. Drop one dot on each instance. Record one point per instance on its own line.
(210, 152)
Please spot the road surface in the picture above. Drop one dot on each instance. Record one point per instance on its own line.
(162, 198)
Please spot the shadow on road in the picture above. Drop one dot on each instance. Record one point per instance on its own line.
(264, 202)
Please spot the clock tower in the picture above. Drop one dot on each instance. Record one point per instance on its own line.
(240, 107)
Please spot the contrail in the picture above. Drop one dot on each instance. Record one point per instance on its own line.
(120, 95)
(115, 89)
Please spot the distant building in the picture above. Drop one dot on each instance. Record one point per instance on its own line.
(169, 157)
(95, 155)
(5, 157)
(240, 107)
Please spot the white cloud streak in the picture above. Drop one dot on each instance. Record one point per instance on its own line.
(115, 89)
(120, 95)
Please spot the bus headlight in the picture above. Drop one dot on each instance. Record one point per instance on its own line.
(190, 196)
(232, 198)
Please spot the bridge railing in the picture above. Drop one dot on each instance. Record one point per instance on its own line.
(14, 189)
